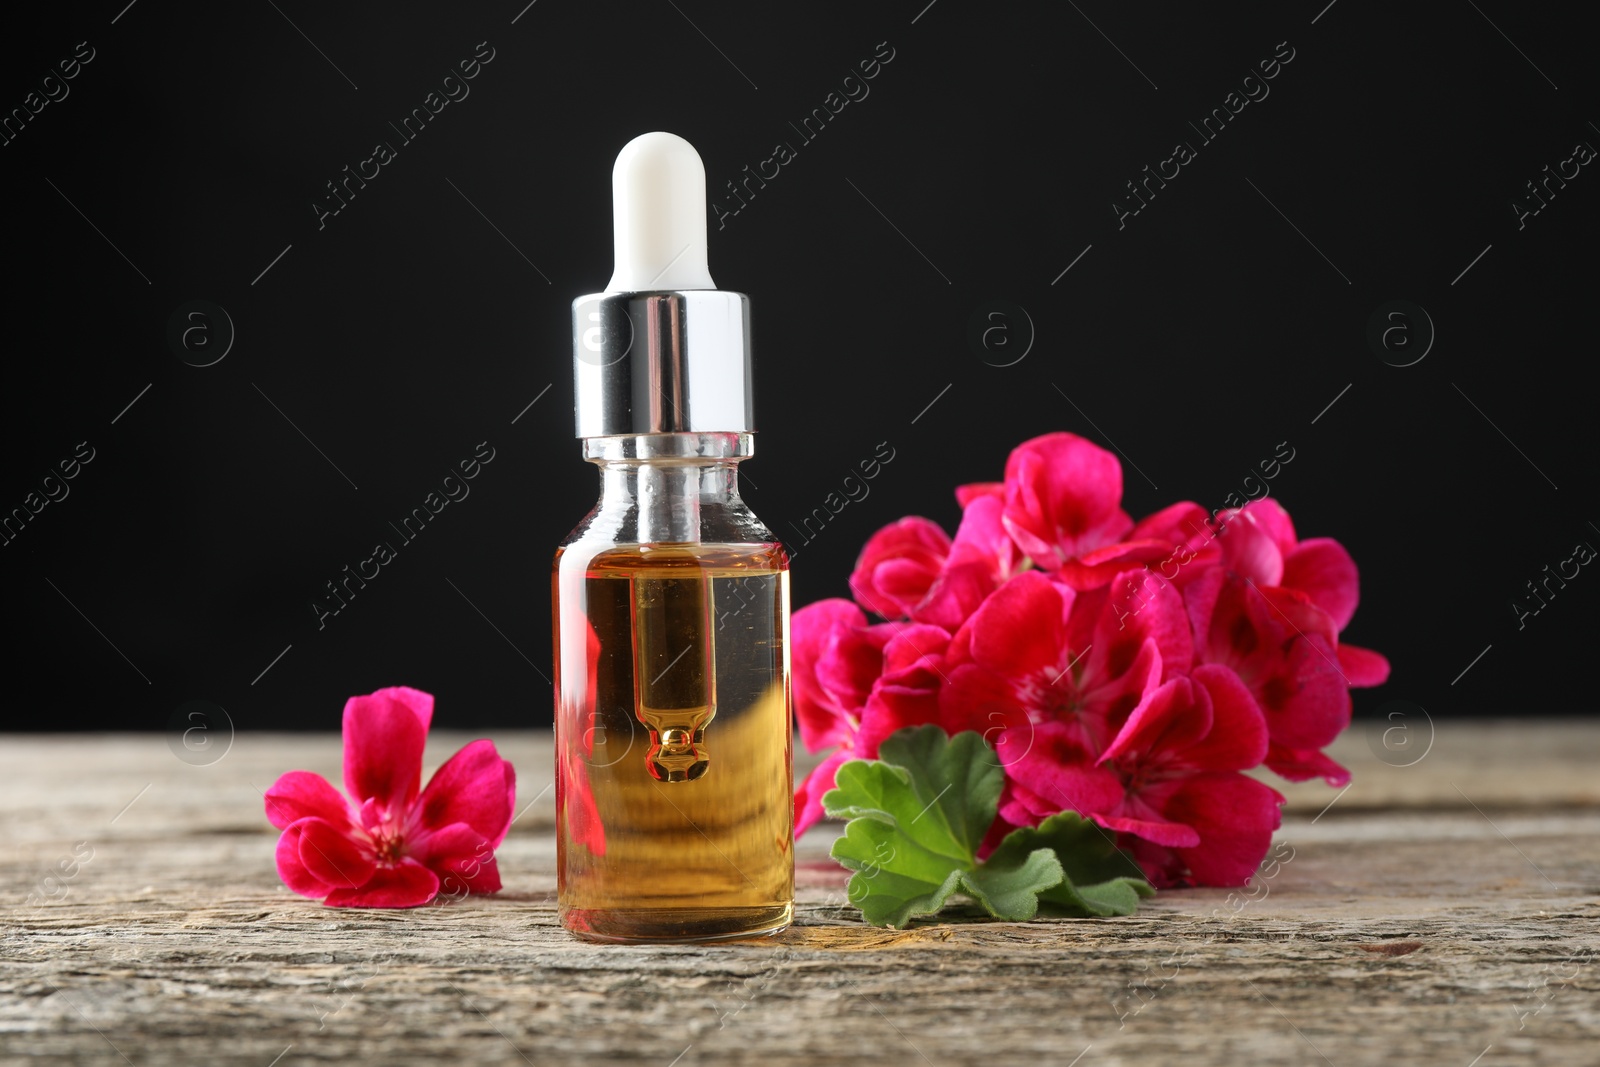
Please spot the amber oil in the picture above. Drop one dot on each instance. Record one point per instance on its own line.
(674, 780)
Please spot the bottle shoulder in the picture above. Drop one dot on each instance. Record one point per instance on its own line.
(723, 523)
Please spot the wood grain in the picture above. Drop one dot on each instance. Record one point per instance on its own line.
(1434, 914)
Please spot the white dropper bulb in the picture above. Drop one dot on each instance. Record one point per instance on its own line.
(658, 202)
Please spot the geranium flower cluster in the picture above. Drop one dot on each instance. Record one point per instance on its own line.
(1128, 671)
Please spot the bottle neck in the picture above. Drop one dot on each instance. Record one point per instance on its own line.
(677, 488)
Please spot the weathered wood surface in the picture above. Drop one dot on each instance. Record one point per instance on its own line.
(1441, 913)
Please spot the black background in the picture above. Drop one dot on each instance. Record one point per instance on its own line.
(378, 350)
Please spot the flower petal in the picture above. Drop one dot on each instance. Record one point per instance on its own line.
(966, 494)
(456, 841)
(1324, 571)
(1162, 866)
(332, 856)
(1235, 817)
(1139, 605)
(976, 698)
(1283, 647)
(1238, 737)
(1248, 546)
(384, 734)
(292, 870)
(1190, 545)
(300, 794)
(850, 664)
(1307, 702)
(475, 787)
(1363, 667)
(892, 708)
(1156, 830)
(1268, 515)
(808, 797)
(1063, 497)
(1200, 600)
(913, 652)
(408, 884)
(981, 557)
(1054, 765)
(461, 856)
(1297, 610)
(1304, 764)
(1107, 706)
(1021, 807)
(1141, 813)
(1163, 728)
(471, 876)
(907, 694)
(1183, 523)
(1097, 567)
(1019, 630)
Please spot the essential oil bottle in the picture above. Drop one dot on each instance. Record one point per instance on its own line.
(674, 787)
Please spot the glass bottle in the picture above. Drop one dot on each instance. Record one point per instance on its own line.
(674, 786)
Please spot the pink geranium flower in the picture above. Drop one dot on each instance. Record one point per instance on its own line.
(389, 845)
(1259, 543)
(1272, 612)
(1063, 507)
(1190, 812)
(1063, 501)
(897, 568)
(911, 569)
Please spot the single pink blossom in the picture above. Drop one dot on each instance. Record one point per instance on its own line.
(1259, 543)
(1272, 611)
(898, 566)
(911, 569)
(1063, 507)
(391, 846)
(1063, 500)
(1282, 646)
(1194, 816)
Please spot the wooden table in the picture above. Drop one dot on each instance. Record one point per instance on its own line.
(1442, 913)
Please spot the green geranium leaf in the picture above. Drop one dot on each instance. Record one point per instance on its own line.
(896, 876)
(960, 777)
(1012, 891)
(1100, 879)
(918, 815)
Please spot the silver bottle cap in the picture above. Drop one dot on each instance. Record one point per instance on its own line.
(662, 362)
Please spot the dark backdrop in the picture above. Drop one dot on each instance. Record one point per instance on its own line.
(373, 349)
